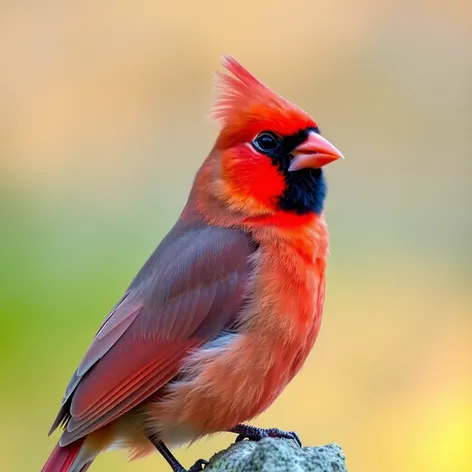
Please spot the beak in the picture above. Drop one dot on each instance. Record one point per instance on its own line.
(313, 153)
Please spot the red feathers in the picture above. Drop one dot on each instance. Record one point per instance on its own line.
(246, 106)
(238, 89)
(62, 458)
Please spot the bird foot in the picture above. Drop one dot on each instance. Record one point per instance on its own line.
(172, 461)
(255, 434)
(197, 467)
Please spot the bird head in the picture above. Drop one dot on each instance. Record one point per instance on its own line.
(269, 154)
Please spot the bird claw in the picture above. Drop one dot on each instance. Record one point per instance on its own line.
(198, 466)
(256, 434)
(278, 433)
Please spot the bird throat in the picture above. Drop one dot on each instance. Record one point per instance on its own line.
(305, 191)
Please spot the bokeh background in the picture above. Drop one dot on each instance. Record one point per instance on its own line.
(102, 126)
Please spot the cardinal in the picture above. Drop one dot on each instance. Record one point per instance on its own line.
(225, 311)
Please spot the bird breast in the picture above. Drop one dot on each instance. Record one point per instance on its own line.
(239, 374)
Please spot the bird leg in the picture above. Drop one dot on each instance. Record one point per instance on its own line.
(255, 434)
(172, 461)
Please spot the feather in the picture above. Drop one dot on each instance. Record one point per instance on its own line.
(191, 288)
(238, 88)
(245, 106)
(62, 458)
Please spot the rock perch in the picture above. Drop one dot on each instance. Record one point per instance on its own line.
(277, 455)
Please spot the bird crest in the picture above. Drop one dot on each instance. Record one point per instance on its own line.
(243, 98)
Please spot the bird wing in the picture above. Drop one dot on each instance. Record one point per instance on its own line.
(190, 289)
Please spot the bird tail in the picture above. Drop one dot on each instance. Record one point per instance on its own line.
(62, 458)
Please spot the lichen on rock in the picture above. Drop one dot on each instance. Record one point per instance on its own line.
(277, 455)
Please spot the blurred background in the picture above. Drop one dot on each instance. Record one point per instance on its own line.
(103, 124)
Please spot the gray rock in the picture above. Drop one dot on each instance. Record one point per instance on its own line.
(277, 455)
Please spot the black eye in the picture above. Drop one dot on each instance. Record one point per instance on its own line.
(266, 142)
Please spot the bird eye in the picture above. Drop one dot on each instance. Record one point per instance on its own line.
(266, 142)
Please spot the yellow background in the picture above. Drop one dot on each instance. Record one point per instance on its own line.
(102, 126)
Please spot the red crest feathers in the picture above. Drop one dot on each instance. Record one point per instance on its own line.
(242, 98)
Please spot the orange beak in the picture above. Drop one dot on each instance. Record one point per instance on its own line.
(313, 153)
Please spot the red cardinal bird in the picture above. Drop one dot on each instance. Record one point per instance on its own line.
(225, 311)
